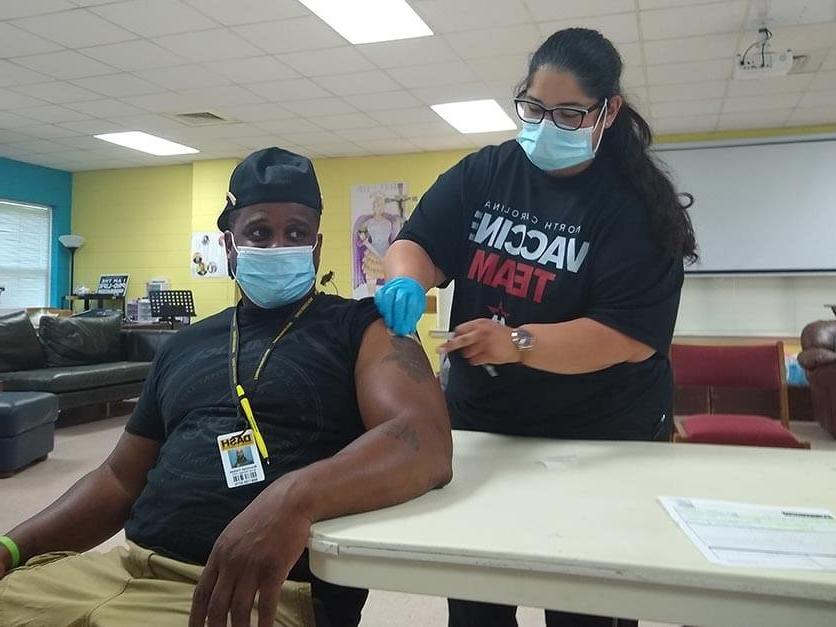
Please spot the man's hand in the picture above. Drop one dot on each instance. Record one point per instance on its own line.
(483, 341)
(253, 555)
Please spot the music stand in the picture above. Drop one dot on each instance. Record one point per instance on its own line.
(168, 305)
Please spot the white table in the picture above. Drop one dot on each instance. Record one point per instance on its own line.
(589, 534)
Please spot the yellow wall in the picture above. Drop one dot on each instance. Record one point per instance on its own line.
(139, 221)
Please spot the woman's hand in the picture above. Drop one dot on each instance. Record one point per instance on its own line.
(254, 554)
(482, 342)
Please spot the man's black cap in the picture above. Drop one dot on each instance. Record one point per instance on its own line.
(271, 175)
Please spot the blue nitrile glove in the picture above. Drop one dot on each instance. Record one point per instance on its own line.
(401, 302)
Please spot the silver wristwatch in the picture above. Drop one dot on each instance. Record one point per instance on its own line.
(522, 339)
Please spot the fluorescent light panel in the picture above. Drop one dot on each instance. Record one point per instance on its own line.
(368, 21)
(147, 143)
(475, 116)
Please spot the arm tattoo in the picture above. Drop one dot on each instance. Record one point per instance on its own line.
(410, 357)
(405, 434)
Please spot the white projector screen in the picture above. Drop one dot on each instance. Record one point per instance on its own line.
(767, 208)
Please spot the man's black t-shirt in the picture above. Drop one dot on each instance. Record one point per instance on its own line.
(526, 247)
(305, 404)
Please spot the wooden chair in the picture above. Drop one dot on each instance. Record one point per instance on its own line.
(732, 395)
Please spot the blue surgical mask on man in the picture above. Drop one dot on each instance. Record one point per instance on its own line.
(550, 147)
(274, 277)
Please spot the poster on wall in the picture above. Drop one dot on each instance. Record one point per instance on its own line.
(377, 215)
(208, 255)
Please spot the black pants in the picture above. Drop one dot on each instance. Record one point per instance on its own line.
(334, 606)
(473, 614)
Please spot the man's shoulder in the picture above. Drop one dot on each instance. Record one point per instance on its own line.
(331, 305)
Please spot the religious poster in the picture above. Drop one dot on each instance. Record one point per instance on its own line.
(208, 255)
(377, 215)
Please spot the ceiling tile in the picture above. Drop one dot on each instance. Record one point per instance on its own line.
(344, 121)
(75, 28)
(671, 73)
(11, 74)
(388, 146)
(491, 139)
(216, 131)
(687, 91)
(397, 117)
(389, 54)
(520, 40)
(292, 89)
(509, 69)
(703, 19)
(38, 146)
(7, 136)
(15, 42)
(683, 49)
(118, 85)
(253, 70)
(325, 62)
(150, 123)
(432, 75)
(631, 53)
(261, 112)
(757, 103)
(311, 108)
(823, 80)
(106, 108)
(662, 4)
(249, 11)
(44, 131)
(830, 61)
(387, 100)
(445, 16)
(54, 114)
(455, 92)
(13, 100)
(357, 83)
(86, 128)
(542, 10)
(368, 134)
(633, 76)
(818, 99)
(65, 65)
(10, 9)
(619, 28)
(455, 141)
(767, 86)
(303, 33)
(182, 77)
(289, 125)
(208, 45)
(687, 108)
(753, 119)
(803, 38)
(57, 92)
(818, 115)
(425, 129)
(678, 124)
(154, 18)
(134, 55)
(308, 138)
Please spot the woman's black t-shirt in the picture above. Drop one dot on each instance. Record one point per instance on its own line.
(525, 247)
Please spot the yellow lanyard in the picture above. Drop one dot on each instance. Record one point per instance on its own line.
(237, 389)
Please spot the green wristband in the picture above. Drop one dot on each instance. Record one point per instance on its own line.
(7, 542)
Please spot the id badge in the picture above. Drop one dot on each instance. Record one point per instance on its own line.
(240, 458)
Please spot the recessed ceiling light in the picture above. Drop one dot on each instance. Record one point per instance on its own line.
(147, 143)
(368, 21)
(475, 116)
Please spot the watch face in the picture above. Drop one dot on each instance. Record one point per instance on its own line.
(522, 339)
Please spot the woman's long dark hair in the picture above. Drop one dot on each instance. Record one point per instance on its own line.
(596, 65)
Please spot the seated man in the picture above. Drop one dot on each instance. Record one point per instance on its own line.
(291, 407)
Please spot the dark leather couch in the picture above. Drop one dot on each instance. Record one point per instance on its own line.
(818, 358)
(120, 374)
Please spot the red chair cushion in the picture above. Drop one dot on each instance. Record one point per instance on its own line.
(738, 429)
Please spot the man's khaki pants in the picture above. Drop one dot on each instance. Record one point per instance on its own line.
(126, 587)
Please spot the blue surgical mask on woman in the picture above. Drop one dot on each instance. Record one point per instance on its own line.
(274, 277)
(550, 147)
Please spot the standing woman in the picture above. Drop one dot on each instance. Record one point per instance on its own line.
(567, 248)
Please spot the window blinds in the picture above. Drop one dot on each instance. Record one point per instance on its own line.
(24, 254)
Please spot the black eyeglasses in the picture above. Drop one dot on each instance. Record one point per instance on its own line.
(567, 118)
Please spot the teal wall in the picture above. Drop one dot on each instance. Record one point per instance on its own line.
(34, 184)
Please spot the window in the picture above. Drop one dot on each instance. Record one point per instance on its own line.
(24, 254)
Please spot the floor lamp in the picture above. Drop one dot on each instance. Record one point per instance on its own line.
(71, 243)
